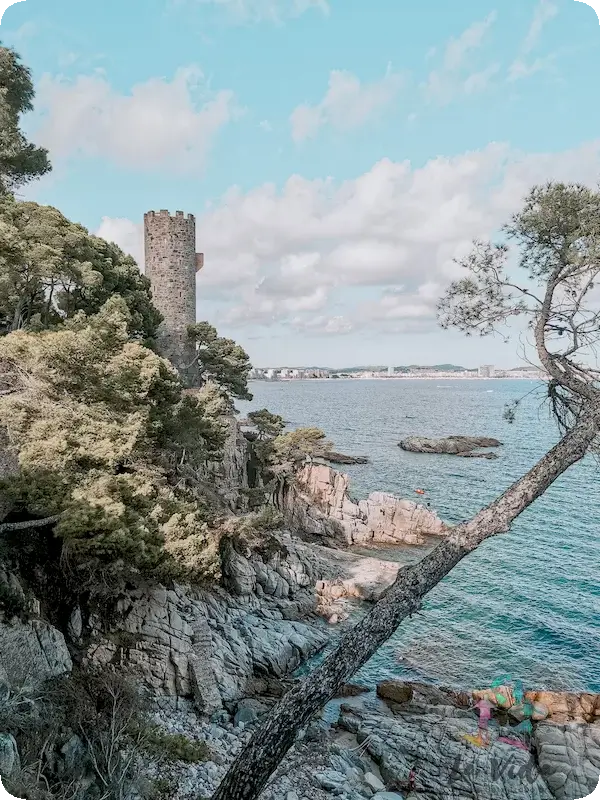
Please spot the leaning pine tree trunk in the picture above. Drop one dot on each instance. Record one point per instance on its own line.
(266, 749)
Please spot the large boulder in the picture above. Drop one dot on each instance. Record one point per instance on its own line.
(395, 691)
(451, 445)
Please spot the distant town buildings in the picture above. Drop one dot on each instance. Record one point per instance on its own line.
(424, 373)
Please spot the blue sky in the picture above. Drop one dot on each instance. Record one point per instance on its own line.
(338, 154)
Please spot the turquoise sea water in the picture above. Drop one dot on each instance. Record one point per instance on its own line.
(526, 603)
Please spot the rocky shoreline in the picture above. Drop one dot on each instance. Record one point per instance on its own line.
(215, 660)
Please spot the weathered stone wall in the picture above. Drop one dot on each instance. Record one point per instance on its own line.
(171, 266)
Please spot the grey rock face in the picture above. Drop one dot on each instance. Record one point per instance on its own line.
(33, 652)
(75, 626)
(229, 477)
(447, 766)
(211, 645)
(248, 710)
(450, 445)
(9, 755)
(569, 758)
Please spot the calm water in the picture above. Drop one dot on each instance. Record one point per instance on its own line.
(526, 603)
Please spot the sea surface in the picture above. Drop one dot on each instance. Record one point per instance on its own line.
(526, 603)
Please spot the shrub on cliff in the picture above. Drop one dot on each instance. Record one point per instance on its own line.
(99, 421)
(296, 446)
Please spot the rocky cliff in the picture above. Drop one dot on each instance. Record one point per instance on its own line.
(214, 659)
(318, 503)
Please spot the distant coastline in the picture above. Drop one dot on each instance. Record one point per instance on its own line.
(528, 377)
(436, 372)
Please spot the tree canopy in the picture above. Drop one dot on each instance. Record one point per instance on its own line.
(20, 161)
(296, 446)
(220, 361)
(52, 268)
(99, 423)
(266, 423)
(557, 233)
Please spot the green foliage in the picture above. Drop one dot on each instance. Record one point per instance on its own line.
(256, 497)
(557, 229)
(264, 520)
(51, 269)
(20, 161)
(557, 233)
(221, 361)
(296, 446)
(266, 423)
(557, 237)
(174, 746)
(99, 422)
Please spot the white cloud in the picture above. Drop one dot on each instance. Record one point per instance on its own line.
(455, 73)
(522, 66)
(28, 30)
(160, 124)
(347, 104)
(242, 11)
(127, 234)
(478, 81)
(544, 12)
(265, 125)
(374, 252)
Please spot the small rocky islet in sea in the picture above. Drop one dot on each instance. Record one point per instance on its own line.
(463, 446)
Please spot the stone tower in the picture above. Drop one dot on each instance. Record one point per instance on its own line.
(171, 266)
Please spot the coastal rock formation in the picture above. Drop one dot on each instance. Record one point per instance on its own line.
(566, 707)
(445, 764)
(569, 758)
(209, 646)
(230, 475)
(464, 446)
(341, 458)
(567, 753)
(318, 503)
(560, 707)
(212, 646)
(370, 752)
